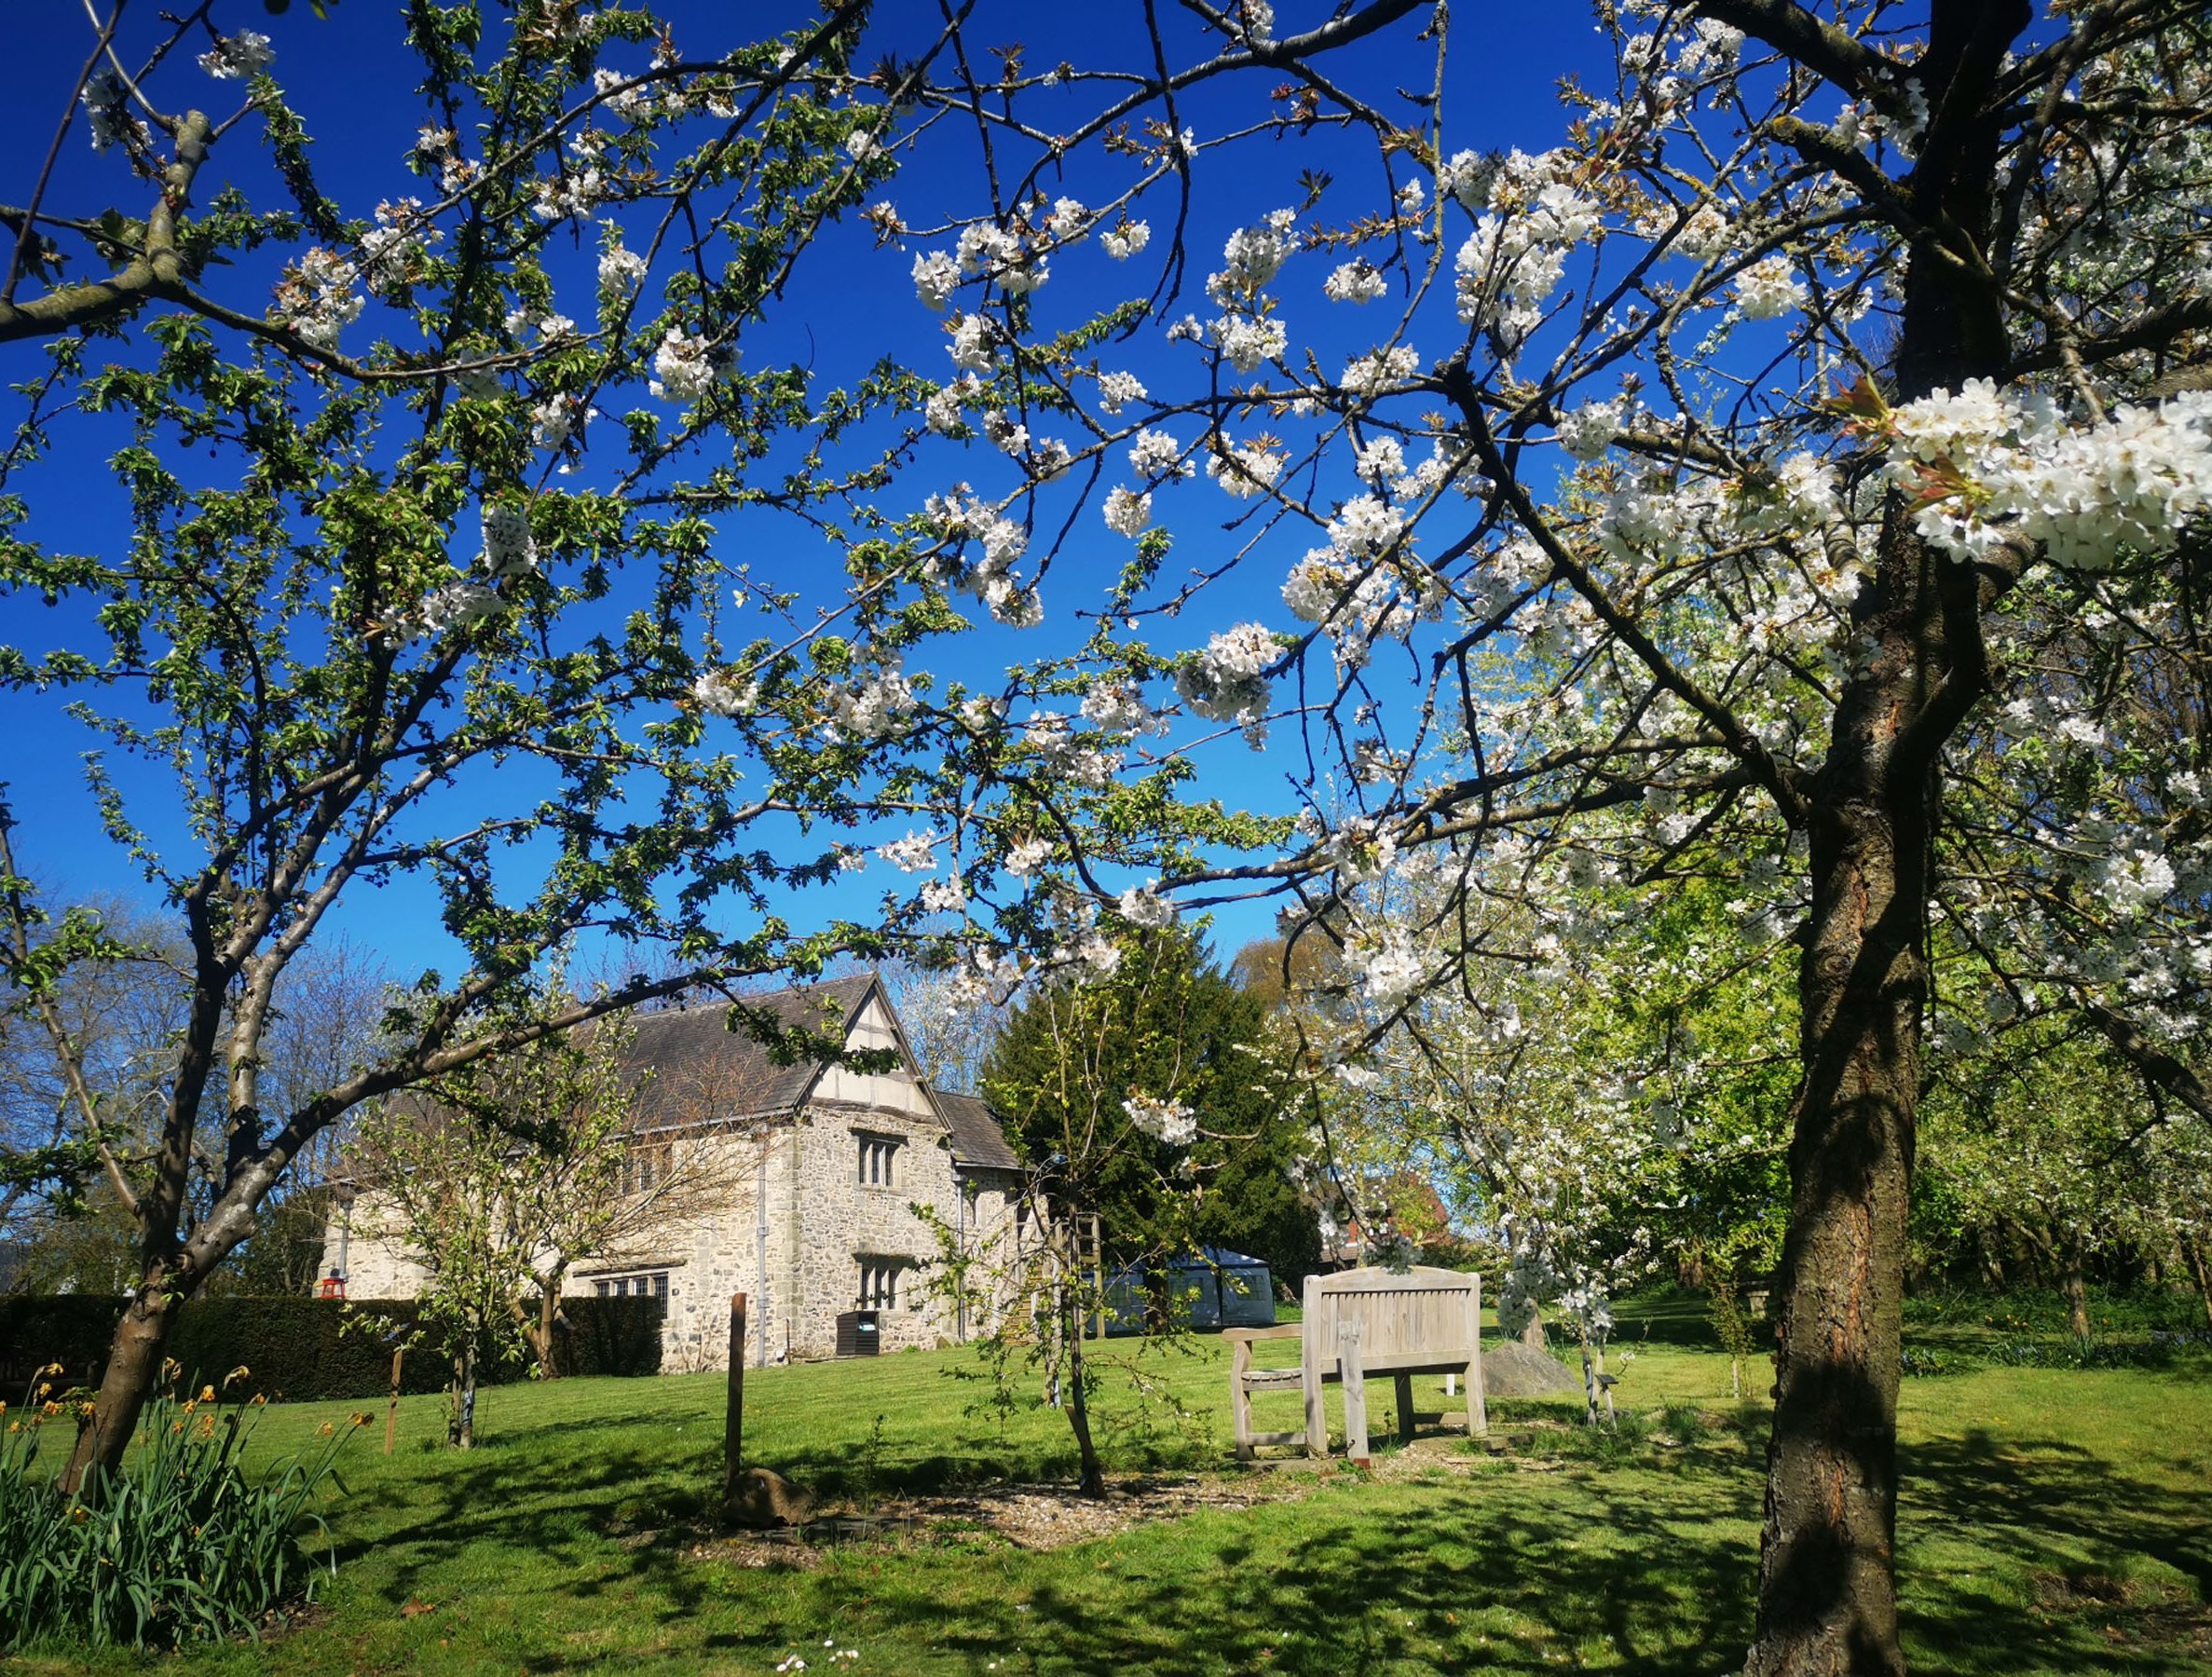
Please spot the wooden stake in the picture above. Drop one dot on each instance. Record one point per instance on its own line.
(391, 1412)
(733, 1422)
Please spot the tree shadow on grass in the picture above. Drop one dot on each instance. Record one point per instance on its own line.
(2083, 1532)
(2017, 1555)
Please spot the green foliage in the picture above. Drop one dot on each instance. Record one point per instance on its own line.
(301, 1349)
(181, 1544)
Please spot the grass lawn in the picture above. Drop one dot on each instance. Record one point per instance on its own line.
(2055, 1520)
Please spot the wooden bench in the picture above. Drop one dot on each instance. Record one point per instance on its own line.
(1358, 1323)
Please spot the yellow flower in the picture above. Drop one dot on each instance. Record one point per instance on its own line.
(206, 1394)
(237, 1373)
(80, 1514)
(328, 1429)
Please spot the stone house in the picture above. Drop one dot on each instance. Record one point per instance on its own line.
(814, 1176)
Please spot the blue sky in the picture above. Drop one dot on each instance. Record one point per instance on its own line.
(351, 80)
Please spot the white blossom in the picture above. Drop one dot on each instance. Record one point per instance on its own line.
(1128, 511)
(1359, 281)
(1168, 1121)
(234, 57)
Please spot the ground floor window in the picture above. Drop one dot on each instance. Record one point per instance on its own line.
(652, 1284)
(879, 1282)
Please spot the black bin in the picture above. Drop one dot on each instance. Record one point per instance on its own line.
(857, 1333)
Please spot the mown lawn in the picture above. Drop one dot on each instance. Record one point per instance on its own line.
(2055, 1520)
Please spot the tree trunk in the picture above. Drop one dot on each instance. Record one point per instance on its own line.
(460, 1421)
(2077, 1296)
(133, 1370)
(2194, 1253)
(1689, 1268)
(1827, 1583)
(1827, 1557)
(1532, 1331)
(1091, 1475)
(537, 1326)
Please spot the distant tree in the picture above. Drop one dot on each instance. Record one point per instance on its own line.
(948, 1025)
(506, 1175)
(1160, 1100)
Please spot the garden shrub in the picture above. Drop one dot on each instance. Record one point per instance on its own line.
(178, 1545)
(301, 1350)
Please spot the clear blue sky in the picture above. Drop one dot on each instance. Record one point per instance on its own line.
(351, 80)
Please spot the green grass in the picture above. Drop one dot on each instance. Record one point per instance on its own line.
(2053, 1521)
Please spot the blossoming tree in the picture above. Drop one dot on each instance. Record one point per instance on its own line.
(416, 572)
(1706, 490)
(1838, 372)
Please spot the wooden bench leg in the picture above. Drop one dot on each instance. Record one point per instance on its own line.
(1405, 1409)
(1309, 1366)
(1355, 1382)
(1478, 1412)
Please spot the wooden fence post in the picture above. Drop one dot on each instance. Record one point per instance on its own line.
(391, 1412)
(734, 1423)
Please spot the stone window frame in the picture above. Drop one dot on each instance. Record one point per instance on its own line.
(632, 1284)
(876, 1158)
(880, 1276)
(645, 1166)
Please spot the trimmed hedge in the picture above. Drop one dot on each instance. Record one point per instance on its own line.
(296, 1351)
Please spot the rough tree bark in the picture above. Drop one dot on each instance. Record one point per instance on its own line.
(1828, 1598)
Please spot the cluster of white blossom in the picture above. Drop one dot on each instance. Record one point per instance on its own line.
(572, 193)
(317, 299)
(236, 57)
(1116, 391)
(1128, 511)
(1247, 470)
(1379, 371)
(869, 709)
(719, 692)
(1515, 257)
(440, 145)
(455, 605)
(917, 852)
(991, 578)
(1126, 239)
(1163, 1120)
(1359, 281)
(1071, 757)
(1589, 431)
(1994, 467)
(1227, 681)
(622, 270)
(1156, 455)
(1770, 289)
(689, 365)
(391, 250)
(509, 550)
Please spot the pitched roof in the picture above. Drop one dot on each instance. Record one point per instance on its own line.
(977, 1140)
(705, 1068)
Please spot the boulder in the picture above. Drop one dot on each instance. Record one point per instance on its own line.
(1517, 1371)
(763, 1498)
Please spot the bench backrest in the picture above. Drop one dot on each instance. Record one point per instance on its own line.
(1401, 1313)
